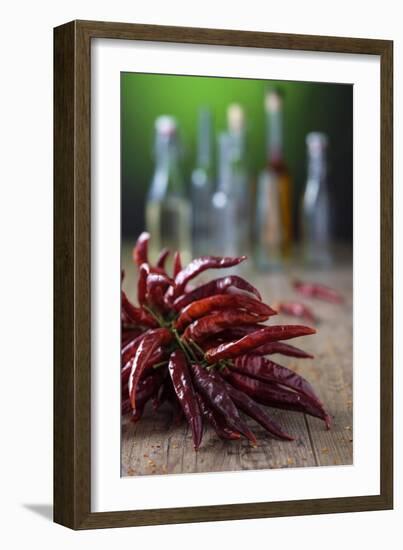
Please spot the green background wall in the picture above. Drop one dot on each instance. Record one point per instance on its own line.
(307, 107)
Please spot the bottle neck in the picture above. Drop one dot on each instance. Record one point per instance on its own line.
(317, 166)
(204, 141)
(225, 163)
(274, 131)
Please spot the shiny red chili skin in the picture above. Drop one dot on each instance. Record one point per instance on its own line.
(137, 316)
(216, 421)
(252, 409)
(151, 341)
(217, 302)
(146, 389)
(199, 265)
(140, 252)
(256, 339)
(217, 286)
(216, 322)
(268, 371)
(274, 396)
(162, 258)
(177, 267)
(157, 285)
(283, 349)
(217, 397)
(183, 386)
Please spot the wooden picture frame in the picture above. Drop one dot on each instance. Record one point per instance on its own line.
(72, 271)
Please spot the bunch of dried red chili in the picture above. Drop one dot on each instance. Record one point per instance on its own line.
(204, 350)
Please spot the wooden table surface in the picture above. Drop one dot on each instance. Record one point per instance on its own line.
(155, 445)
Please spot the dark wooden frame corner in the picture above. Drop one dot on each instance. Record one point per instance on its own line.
(72, 298)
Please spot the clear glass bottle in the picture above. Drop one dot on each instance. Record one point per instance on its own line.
(316, 219)
(273, 224)
(168, 211)
(239, 175)
(228, 228)
(202, 186)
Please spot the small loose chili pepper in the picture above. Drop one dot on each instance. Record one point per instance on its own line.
(282, 349)
(204, 306)
(211, 324)
(316, 290)
(199, 265)
(186, 395)
(252, 409)
(255, 340)
(296, 309)
(216, 421)
(274, 396)
(137, 315)
(162, 258)
(151, 341)
(217, 397)
(140, 252)
(269, 371)
(217, 286)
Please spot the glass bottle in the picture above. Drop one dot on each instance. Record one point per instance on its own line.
(274, 200)
(316, 218)
(202, 184)
(168, 211)
(239, 175)
(228, 231)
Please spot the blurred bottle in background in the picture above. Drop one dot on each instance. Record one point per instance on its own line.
(202, 186)
(273, 233)
(168, 211)
(316, 219)
(230, 203)
(229, 234)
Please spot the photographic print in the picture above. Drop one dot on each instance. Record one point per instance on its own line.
(237, 272)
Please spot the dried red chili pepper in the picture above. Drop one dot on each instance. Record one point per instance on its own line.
(157, 285)
(269, 371)
(211, 324)
(199, 265)
(217, 286)
(207, 305)
(156, 357)
(151, 341)
(283, 349)
(177, 264)
(255, 340)
(217, 397)
(186, 395)
(252, 409)
(205, 331)
(147, 388)
(137, 316)
(316, 290)
(140, 252)
(274, 396)
(296, 309)
(128, 334)
(162, 258)
(216, 421)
